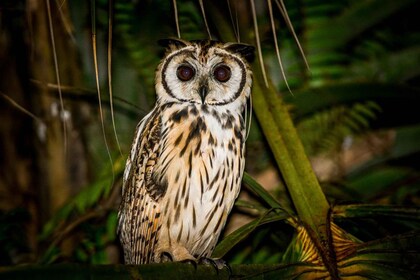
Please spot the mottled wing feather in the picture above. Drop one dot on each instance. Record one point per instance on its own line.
(139, 212)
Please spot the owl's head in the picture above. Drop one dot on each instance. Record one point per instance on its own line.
(204, 72)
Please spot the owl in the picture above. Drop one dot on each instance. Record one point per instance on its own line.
(185, 168)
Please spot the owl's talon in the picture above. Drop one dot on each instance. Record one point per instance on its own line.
(191, 261)
(166, 257)
(219, 264)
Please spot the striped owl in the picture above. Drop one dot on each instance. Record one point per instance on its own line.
(187, 159)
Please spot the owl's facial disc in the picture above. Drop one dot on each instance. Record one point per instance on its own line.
(215, 77)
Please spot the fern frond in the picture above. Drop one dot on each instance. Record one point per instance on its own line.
(326, 130)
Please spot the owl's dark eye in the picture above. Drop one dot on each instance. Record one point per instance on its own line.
(222, 73)
(185, 73)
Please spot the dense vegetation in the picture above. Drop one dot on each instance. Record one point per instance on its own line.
(336, 91)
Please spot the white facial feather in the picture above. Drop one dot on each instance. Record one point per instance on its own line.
(203, 61)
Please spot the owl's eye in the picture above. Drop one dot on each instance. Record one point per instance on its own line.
(222, 73)
(185, 73)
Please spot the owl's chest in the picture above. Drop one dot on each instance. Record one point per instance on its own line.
(197, 143)
(201, 163)
(198, 131)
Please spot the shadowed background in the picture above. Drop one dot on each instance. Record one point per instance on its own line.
(63, 149)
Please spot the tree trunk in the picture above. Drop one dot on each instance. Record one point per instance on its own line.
(43, 156)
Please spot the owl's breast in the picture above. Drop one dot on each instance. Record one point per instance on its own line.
(198, 139)
(201, 162)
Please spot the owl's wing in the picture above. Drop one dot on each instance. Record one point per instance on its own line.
(139, 211)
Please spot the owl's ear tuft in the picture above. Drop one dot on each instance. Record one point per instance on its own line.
(172, 43)
(246, 51)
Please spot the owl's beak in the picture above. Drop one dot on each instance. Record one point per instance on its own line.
(203, 92)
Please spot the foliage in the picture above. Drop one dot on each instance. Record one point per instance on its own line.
(363, 79)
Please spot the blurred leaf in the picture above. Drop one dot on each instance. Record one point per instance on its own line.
(375, 182)
(327, 129)
(406, 142)
(58, 218)
(396, 98)
(397, 66)
(111, 226)
(355, 19)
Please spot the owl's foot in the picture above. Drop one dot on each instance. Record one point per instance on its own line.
(175, 253)
(219, 264)
(193, 262)
(166, 257)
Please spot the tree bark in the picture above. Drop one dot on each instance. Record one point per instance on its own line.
(43, 152)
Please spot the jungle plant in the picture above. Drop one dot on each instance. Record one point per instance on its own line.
(352, 71)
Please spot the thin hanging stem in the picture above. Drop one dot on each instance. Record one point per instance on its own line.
(111, 104)
(95, 61)
(273, 28)
(64, 20)
(204, 17)
(283, 11)
(178, 31)
(257, 38)
(235, 23)
(57, 74)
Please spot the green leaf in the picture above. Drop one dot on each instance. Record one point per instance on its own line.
(373, 211)
(238, 235)
(111, 225)
(395, 66)
(374, 182)
(250, 205)
(257, 189)
(387, 258)
(360, 16)
(406, 142)
(397, 99)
